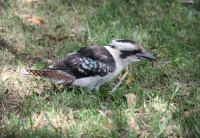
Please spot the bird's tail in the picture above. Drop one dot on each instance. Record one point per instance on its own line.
(55, 76)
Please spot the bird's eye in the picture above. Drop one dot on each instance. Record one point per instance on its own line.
(112, 46)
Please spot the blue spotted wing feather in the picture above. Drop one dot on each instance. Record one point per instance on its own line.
(86, 62)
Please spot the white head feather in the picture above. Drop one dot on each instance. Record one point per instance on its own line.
(126, 45)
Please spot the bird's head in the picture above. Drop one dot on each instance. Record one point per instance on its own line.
(130, 51)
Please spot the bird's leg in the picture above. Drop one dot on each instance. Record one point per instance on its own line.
(115, 88)
(97, 88)
(94, 88)
(89, 89)
(53, 86)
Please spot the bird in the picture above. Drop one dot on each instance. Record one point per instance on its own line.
(93, 66)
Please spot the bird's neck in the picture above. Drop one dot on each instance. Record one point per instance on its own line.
(118, 60)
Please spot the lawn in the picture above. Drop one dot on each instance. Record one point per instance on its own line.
(162, 100)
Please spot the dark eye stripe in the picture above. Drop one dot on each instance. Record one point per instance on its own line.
(112, 46)
(125, 54)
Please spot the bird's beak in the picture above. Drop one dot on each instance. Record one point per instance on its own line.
(146, 56)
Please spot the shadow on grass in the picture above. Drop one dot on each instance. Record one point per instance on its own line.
(40, 132)
(5, 45)
(189, 121)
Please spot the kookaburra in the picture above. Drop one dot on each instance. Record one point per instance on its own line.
(92, 66)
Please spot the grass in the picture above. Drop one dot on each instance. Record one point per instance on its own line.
(167, 95)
